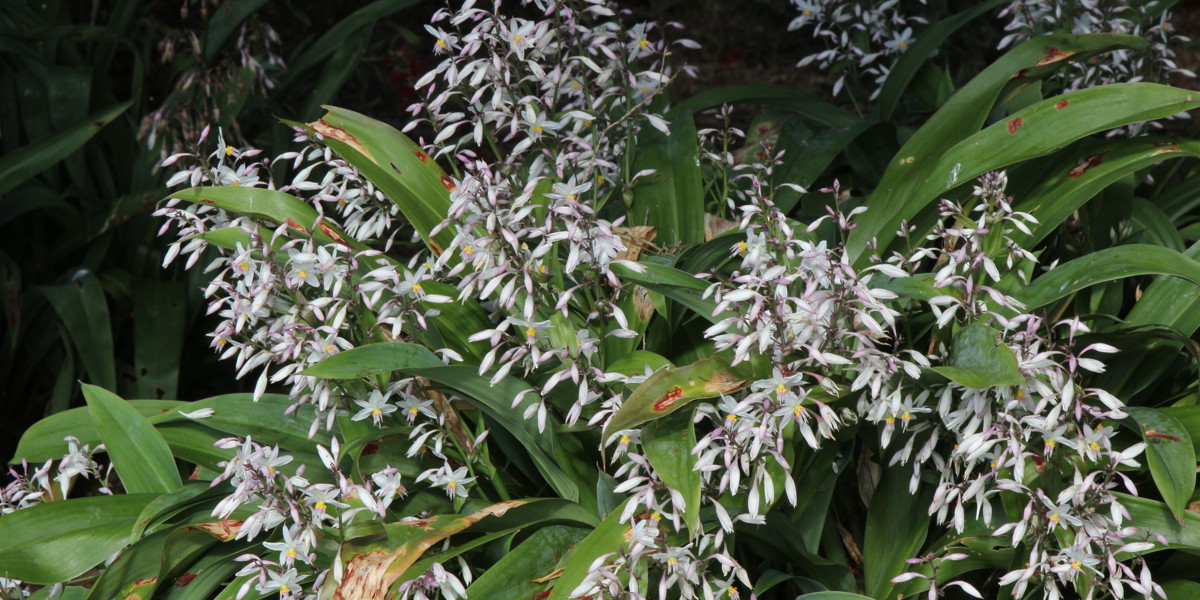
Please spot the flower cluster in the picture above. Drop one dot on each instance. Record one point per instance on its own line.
(209, 86)
(862, 38)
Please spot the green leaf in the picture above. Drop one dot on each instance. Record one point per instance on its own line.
(543, 446)
(914, 167)
(372, 359)
(1172, 462)
(1107, 265)
(396, 165)
(674, 284)
(1043, 128)
(18, 166)
(635, 363)
(83, 308)
(224, 22)
(832, 596)
(906, 67)
(44, 440)
(668, 446)
(513, 575)
(897, 523)
(807, 156)
(268, 421)
(337, 36)
(668, 390)
(1156, 517)
(276, 207)
(806, 105)
(160, 314)
(1079, 177)
(609, 536)
(56, 541)
(979, 359)
(672, 199)
(138, 451)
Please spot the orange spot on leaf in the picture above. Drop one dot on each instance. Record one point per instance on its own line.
(1053, 54)
(421, 156)
(437, 250)
(668, 399)
(341, 135)
(332, 233)
(207, 201)
(449, 183)
(1015, 124)
(1086, 163)
(292, 224)
(1061, 104)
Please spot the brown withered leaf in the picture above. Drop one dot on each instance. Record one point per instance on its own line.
(636, 239)
(555, 574)
(371, 570)
(714, 226)
(443, 406)
(642, 302)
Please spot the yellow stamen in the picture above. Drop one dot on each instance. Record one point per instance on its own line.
(441, 43)
(228, 150)
(321, 504)
(1054, 517)
(642, 44)
(889, 419)
(731, 417)
(413, 411)
(1078, 566)
(469, 249)
(416, 287)
(377, 412)
(537, 129)
(531, 332)
(779, 389)
(291, 552)
(302, 274)
(452, 485)
(245, 266)
(741, 247)
(1050, 444)
(625, 440)
(799, 410)
(1094, 446)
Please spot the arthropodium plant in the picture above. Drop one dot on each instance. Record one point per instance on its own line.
(803, 349)
(870, 36)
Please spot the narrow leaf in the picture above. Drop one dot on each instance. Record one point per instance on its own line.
(56, 541)
(1170, 454)
(1107, 265)
(138, 451)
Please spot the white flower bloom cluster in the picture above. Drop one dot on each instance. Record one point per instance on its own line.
(1022, 439)
(31, 486)
(864, 36)
(1027, 19)
(825, 329)
(868, 36)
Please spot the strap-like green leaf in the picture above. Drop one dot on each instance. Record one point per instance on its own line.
(1172, 458)
(56, 541)
(138, 451)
